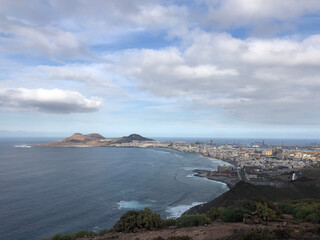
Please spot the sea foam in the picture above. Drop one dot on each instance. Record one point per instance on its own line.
(175, 212)
(190, 175)
(22, 146)
(132, 205)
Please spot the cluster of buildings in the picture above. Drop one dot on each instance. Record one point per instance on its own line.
(241, 156)
(258, 163)
(275, 158)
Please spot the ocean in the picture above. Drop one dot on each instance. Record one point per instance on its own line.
(44, 191)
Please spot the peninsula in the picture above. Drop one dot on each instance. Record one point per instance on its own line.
(93, 140)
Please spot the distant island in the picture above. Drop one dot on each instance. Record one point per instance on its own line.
(93, 140)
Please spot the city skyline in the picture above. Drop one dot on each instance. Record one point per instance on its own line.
(169, 69)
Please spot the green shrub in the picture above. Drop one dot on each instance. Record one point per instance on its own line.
(105, 231)
(229, 214)
(83, 233)
(233, 214)
(247, 204)
(213, 213)
(265, 213)
(301, 212)
(310, 212)
(58, 236)
(306, 210)
(284, 207)
(143, 219)
(313, 217)
(170, 222)
(192, 220)
(79, 234)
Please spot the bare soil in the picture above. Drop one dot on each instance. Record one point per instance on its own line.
(219, 230)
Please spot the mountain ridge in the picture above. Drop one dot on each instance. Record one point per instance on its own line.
(92, 140)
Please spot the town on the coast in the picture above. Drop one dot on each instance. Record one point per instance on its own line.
(257, 163)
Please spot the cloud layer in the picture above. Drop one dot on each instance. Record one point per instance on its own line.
(219, 71)
(265, 17)
(239, 62)
(49, 101)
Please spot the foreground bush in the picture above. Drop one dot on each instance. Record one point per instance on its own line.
(79, 234)
(170, 222)
(213, 213)
(307, 212)
(265, 213)
(302, 211)
(229, 214)
(105, 231)
(233, 214)
(192, 220)
(144, 219)
(284, 208)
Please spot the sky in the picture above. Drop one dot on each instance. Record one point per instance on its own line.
(194, 68)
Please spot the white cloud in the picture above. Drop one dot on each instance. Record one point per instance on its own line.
(167, 72)
(202, 69)
(50, 101)
(264, 16)
(284, 51)
(40, 41)
(90, 74)
(240, 76)
(71, 25)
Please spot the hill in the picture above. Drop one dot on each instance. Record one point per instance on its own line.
(78, 137)
(308, 186)
(133, 137)
(92, 140)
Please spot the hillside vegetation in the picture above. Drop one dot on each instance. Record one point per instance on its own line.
(243, 193)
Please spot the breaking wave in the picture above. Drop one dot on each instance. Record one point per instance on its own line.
(132, 205)
(175, 212)
(22, 146)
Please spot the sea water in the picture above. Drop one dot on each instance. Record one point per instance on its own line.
(44, 191)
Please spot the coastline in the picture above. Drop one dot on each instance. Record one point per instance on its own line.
(230, 182)
(203, 173)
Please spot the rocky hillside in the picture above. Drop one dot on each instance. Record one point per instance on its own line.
(308, 186)
(78, 137)
(133, 137)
